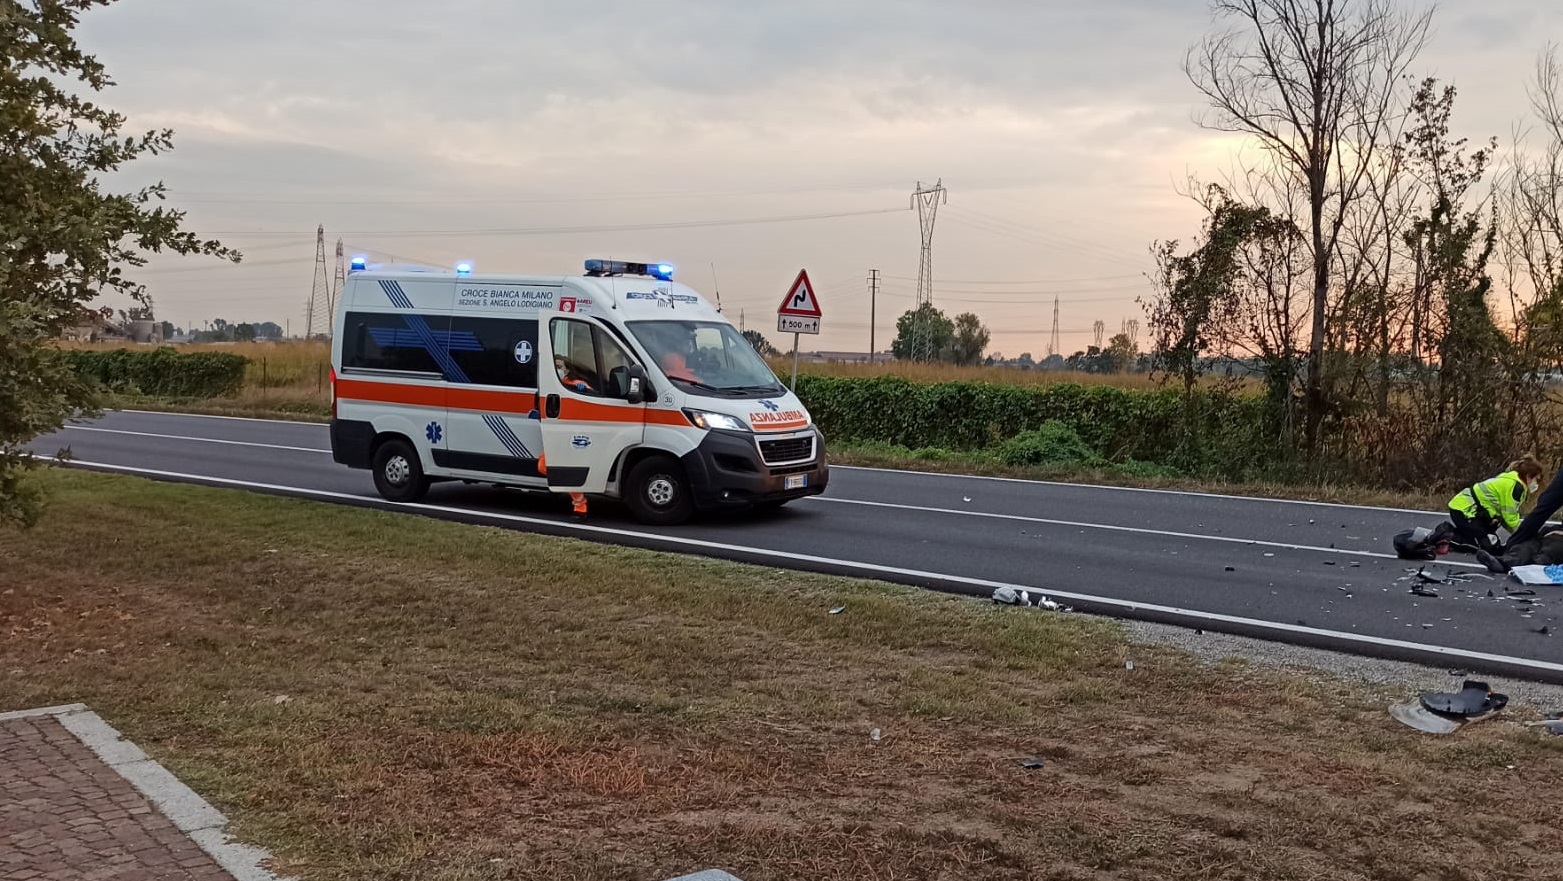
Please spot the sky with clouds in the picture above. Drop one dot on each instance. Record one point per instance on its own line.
(752, 139)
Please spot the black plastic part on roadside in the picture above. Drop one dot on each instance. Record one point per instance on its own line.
(726, 471)
(352, 442)
(1473, 699)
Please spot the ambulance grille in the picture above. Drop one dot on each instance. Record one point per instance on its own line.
(789, 449)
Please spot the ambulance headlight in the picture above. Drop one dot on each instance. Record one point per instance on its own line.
(719, 421)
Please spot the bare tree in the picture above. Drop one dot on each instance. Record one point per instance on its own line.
(1531, 212)
(1315, 83)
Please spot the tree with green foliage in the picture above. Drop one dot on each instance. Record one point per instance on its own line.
(1198, 292)
(761, 344)
(923, 334)
(1120, 354)
(969, 341)
(64, 242)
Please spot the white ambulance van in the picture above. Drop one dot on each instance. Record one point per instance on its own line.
(626, 383)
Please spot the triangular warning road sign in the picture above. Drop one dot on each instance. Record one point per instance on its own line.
(800, 299)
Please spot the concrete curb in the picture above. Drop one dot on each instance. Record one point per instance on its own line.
(189, 813)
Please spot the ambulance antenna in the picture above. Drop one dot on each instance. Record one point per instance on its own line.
(715, 289)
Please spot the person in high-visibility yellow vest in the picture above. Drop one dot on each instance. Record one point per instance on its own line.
(1478, 510)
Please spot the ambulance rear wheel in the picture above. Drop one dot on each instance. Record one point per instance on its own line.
(398, 474)
(658, 492)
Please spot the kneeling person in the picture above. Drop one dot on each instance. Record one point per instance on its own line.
(1478, 510)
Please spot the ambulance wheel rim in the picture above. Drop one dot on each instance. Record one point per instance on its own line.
(660, 491)
(397, 471)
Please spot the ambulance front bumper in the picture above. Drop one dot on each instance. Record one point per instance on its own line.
(733, 469)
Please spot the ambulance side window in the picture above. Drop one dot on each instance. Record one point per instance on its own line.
(495, 351)
(587, 354)
(575, 356)
(385, 341)
(614, 363)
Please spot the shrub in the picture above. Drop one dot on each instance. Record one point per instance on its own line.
(161, 372)
(1210, 432)
(1055, 443)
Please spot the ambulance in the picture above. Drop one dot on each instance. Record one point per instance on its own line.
(621, 382)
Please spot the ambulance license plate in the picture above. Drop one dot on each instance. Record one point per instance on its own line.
(795, 481)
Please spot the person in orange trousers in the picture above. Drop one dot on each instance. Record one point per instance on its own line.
(577, 500)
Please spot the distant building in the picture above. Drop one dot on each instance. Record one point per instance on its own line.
(845, 357)
(94, 328)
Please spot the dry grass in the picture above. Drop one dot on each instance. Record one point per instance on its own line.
(291, 369)
(303, 365)
(374, 696)
(952, 373)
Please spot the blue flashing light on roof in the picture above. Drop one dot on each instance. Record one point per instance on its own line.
(661, 271)
(360, 264)
(464, 268)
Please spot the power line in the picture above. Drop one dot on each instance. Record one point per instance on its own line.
(225, 267)
(569, 230)
(1114, 289)
(1034, 238)
(208, 198)
(1067, 239)
(1032, 281)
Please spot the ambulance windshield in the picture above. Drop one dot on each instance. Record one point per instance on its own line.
(706, 357)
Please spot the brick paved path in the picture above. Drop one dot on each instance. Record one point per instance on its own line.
(67, 816)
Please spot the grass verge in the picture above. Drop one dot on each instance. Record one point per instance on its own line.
(377, 696)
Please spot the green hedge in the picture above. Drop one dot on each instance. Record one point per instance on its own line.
(1208, 433)
(162, 372)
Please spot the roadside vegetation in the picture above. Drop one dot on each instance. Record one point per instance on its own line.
(988, 421)
(377, 696)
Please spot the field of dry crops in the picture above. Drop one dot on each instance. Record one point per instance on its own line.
(301, 369)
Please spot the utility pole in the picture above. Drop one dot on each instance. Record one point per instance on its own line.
(1052, 340)
(314, 311)
(926, 200)
(338, 279)
(873, 296)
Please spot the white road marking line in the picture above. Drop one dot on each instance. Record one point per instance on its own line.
(872, 568)
(1138, 530)
(952, 476)
(231, 418)
(1165, 533)
(1138, 489)
(204, 440)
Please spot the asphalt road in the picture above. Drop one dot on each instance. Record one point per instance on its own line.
(1308, 573)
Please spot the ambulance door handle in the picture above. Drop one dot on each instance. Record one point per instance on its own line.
(551, 407)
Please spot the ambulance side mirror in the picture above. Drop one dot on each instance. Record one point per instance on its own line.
(637, 389)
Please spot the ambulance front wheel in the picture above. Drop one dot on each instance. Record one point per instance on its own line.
(398, 474)
(658, 492)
